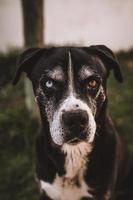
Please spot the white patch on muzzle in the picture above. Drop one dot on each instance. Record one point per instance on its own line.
(56, 126)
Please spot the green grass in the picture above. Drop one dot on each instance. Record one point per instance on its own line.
(120, 103)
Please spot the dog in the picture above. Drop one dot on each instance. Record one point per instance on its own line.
(79, 154)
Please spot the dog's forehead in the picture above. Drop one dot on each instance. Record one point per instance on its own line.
(85, 64)
(56, 66)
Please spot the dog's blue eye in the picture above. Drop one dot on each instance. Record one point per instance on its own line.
(49, 84)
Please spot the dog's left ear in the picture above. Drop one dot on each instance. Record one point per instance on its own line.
(27, 61)
(110, 60)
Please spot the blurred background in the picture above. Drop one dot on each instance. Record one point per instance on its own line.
(28, 23)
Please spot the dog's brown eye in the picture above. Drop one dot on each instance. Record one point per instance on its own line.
(93, 84)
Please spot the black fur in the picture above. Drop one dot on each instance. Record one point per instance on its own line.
(110, 168)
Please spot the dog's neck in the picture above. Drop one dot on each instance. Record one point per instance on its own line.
(76, 158)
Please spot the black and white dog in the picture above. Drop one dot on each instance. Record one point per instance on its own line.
(79, 153)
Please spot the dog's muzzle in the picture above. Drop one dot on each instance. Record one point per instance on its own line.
(75, 123)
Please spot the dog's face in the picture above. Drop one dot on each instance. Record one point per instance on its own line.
(70, 89)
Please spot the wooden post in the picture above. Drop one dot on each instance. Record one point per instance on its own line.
(33, 28)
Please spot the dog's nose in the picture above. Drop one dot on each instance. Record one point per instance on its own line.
(75, 119)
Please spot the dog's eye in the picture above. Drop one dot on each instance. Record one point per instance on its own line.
(49, 84)
(92, 84)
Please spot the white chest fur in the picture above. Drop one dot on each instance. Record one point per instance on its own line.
(62, 189)
(65, 187)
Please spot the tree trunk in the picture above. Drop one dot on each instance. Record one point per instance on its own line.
(33, 22)
(33, 37)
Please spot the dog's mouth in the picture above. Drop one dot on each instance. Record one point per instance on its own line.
(76, 135)
(73, 138)
(75, 141)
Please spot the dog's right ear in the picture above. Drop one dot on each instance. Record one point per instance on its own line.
(27, 61)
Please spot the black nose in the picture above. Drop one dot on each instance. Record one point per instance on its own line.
(75, 119)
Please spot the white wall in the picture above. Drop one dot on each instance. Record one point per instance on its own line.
(82, 22)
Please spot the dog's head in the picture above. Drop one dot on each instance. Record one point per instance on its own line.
(70, 88)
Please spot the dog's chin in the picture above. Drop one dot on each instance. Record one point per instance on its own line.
(75, 141)
(71, 137)
(72, 142)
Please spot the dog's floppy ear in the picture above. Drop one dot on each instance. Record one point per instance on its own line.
(27, 61)
(110, 60)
